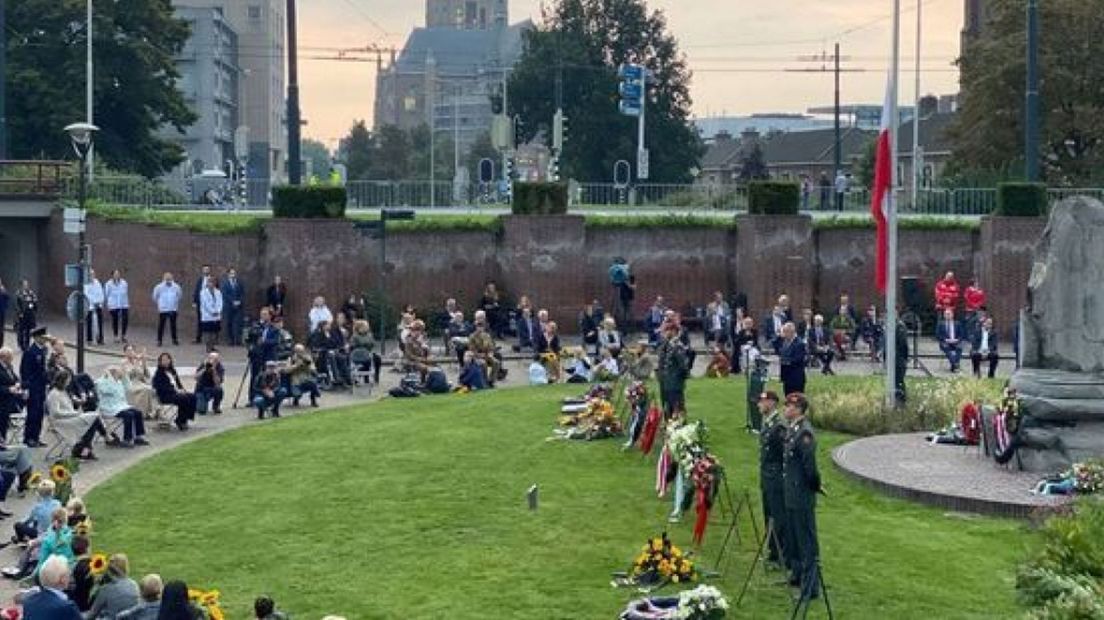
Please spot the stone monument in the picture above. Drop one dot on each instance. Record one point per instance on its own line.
(1061, 383)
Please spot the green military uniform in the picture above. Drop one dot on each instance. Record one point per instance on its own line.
(802, 482)
(900, 361)
(757, 382)
(772, 441)
(672, 372)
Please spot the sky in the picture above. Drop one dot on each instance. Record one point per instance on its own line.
(739, 51)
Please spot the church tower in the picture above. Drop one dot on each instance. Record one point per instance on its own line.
(467, 14)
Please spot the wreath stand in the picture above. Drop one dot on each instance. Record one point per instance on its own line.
(740, 506)
(769, 537)
(805, 601)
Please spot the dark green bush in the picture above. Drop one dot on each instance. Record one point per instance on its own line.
(1021, 199)
(540, 198)
(1065, 577)
(773, 197)
(294, 201)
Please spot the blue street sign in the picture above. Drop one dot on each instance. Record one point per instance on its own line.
(631, 90)
(631, 72)
(630, 108)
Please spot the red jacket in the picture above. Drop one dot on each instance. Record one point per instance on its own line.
(946, 294)
(975, 298)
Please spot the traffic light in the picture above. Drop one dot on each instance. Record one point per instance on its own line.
(496, 103)
(631, 89)
(519, 131)
(510, 172)
(559, 131)
(554, 169)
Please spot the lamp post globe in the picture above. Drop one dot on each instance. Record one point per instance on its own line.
(81, 134)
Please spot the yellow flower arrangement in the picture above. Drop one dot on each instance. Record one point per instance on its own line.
(98, 564)
(210, 598)
(194, 594)
(660, 561)
(59, 473)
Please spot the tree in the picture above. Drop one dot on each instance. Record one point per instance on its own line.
(587, 40)
(318, 155)
(988, 131)
(864, 167)
(752, 165)
(357, 151)
(443, 154)
(136, 96)
(393, 154)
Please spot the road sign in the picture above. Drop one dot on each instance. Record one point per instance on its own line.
(631, 89)
(486, 170)
(74, 221)
(501, 129)
(642, 164)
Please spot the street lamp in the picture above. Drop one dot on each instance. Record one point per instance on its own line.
(81, 136)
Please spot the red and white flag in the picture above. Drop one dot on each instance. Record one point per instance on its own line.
(880, 193)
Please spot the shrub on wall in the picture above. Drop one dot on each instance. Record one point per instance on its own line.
(540, 199)
(1021, 199)
(773, 198)
(308, 202)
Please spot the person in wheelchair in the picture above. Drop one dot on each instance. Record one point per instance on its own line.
(363, 345)
(302, 376)
(60, 409)
(331, 354)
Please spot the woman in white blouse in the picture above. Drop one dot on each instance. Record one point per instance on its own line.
(117, 295)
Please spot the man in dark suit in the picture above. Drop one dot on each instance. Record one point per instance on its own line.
(820, 345)
(983, 346)
(11, 391)
(528, 330)
(196, 290)
(33, 370)
(233, 305)
(949, 334)
(791, 355)
(772, 328)
(50, 602)
(5, 299)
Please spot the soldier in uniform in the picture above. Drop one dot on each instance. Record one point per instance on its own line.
(802, 483)
(900, 361)
(32, 368)
(757, 380)
(772, 441)
(26, 314)
(673, 370)
(482, 346)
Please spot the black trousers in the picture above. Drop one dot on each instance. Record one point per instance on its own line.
(774, 514)
(36, 411)
(673, 400)
(826, 356)
(93, 321)
(23, 329)
(803, 532)
(3, 326)
(170, 318)
(976, 359)
(120, 318)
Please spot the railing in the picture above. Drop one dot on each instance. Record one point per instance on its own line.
(33, 179)
(256, 194)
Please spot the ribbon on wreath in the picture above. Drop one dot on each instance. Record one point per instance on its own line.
(651, 427)
(661, 471)
(703, 515)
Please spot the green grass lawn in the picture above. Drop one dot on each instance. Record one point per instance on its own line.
(416, 509)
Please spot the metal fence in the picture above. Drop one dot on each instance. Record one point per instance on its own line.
(256, 194)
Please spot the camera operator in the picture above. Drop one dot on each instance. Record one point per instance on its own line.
(262, 340)
(26, 313)
(209, 379)
(625, 284)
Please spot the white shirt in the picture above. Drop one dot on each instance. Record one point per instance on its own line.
(210, 305)
(94, 292)
(117, 294)
(167, 296)
(317, 315)
(984, 341)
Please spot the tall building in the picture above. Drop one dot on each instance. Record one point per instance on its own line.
(467, 14)
(973, 25)
(209, 82)
(262, 39)
(250, 76)
(446, 71)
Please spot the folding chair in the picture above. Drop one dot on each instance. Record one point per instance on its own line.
(16, 422)
(361, 368)
(163, 414)
(60, 445)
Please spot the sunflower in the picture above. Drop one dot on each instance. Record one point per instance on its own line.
(215, 613)
(210, 599)
(194, 594)
(36, 478)
(59, 473)
(98, 564)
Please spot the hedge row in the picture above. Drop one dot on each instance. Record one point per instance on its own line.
(310, 202)
(773, 198)
(540, 199)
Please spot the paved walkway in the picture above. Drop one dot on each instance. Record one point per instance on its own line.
(953, 477)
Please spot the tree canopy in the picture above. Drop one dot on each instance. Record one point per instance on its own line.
(394, 154)
(988, 133)
(134, 45)
(587, 40)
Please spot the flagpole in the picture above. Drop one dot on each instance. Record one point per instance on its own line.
(891, 217)
(917, 165)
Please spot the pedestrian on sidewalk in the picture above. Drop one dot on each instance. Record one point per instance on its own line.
(233, 298)
(205, 273)
(117, 294)
(94, 297)
(210, 313)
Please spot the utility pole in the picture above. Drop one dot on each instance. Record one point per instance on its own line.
(837, 162)
(89, 86)
(1031, 123)
(3, 80)
(295, 173)
(917, 165)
